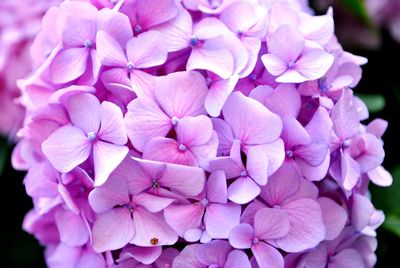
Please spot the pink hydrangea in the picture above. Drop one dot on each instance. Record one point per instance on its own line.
(197, 134)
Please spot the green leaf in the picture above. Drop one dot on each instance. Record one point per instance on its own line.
(3, 154)
(358, 8)
(392, 224)
(388, 198)
(374, 102)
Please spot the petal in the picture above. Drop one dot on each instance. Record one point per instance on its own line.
(182, 94)
(116, 24)
(380, 177)
(291, 76)
(218, 94)
(194, 131)
(113, 193)
(239, 16)
(344, 116)
(72, 228)
(243, 190)
(204, 153)
(68, 65)
(251, 122)
(214, 252)
(314, 153)
(143, 84)
(237, 259)
(187, 258)
(112, 230)
(285, 100)
(377, 127)
(66, 148)
(361, 211)
(112, 127)
(145, 255)
(91, 259)
(257, 165)
(317, 28)
(156, 12)
(84, 111)
(275, 65)
(109, 51)
(334, 216)
(217, 188)
(347, 258)
(293, 133)
(275, 152)
(219, 219)
(152, 227)
(145, 120)
(106, 158)
(306, 226)
(147, 50)
(182, 218)
(287, 43)
(241, 236)
(314, 173)
(152, 203)
(270, 223)
(225, 136)
(373, 153)
(314, 64)
(267, 256)
(320, 126)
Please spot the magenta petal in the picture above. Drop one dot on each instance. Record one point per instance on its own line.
(72, 228)
(219, 219)
(217, 188)
(84, 111)
(112, 230)
(147, 50)
(68, 65)
(149, 226)
(145, 120)
(243, 190)
(184, 217)
(267, 256)
(334, 216)
(182, 94)
(306, 221)
(66, 148)
(237, 259)
(112, 127)
(251, 122)
(106, 158)
(347, 258)
(241, 236)
(270, 223)
(193, 131)
(109, 51)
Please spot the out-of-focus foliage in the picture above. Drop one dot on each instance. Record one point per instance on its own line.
(374, 102)
(3, 154)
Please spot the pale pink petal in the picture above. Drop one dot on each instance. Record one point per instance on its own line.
(377, 127)
(217, 188)
(219, 219)
(152, 203)
(145, 255)
(361, 212)
(275, 65)
(267, 256)
(106, 158)
(380, 176)
(91, 259)
(251, 122)
(109, 51)
(116, 24)
(270, 223)
(314, 173)
(145, 120)
(184, 217)
(72, 228)
(204, 153)
(182, 94)
(285, 100)
(152, 13)
(314, 64)
(237, 259)
(239, 16)
(116, 78)
(291, 76)
(276, 155)
(112, 127)
(218, 94)
(214, 252)
(194, 131)
(319, 29)
(241, 236)
(334, 216)
(293, 133)
(257, 165)
(225, 136)
(112, 230)
(84, 111)
(287, 43)
(66, 148)
(152, 227)
(68, 65)
(143, 84)
(147, 50)
(243, 190)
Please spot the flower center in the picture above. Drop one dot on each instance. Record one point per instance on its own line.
(129, 207)
(129, 66)
(291, 64)
(137, 29)
(346, 144)
(194, 41)
(155, 184)
(253, 77)
(91, 136)
(243, 173)
(214, 3)
(289, 153)
(256, 240)
(175, 120)
(88, 44)
(277, 206)
(204, 202)
(182, 147)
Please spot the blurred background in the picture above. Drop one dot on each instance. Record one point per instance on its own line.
(369, 28)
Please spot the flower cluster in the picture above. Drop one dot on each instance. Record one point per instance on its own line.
(198, 133)
(19, 23)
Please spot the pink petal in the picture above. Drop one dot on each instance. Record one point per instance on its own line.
(276, 155)
(217, 188)
(106, 158)
(112, 127)
(380, 177)
(284, 100)
(239, 16)
(182, 218)
(320, 126)
(204, 153)
(145, 120)
(287, 43)
(251, 122)
(84, 111)
(66, 148)
(218, 94)
(214, 252)
(68, 65)
(225, 136)
(306, 226)
(152, 203)
(143, 84)
(114, 192)
(116, 24)
(194, 131)
(267, 256)
(116, 78)
(317, 28)
(155, 12)
(72, 228)
(167, 150)
(91, 259)
(291, 76)
(314, 64)
(182, 94)
(243, 190)
(270, 223)
(347, 258)
(109, 51)
(188, 258)
(219, 219)
(361, 212)
(149, 226)
(294, 133)
(145, 255)
(350, 171)
(275, 65)
(112, 230)
(314, 173)
(241, 236)
(373, 153)
(237, 259)
(147, 50)
(334, 216)
(314, 153)
(377, 127)
(257, 165)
